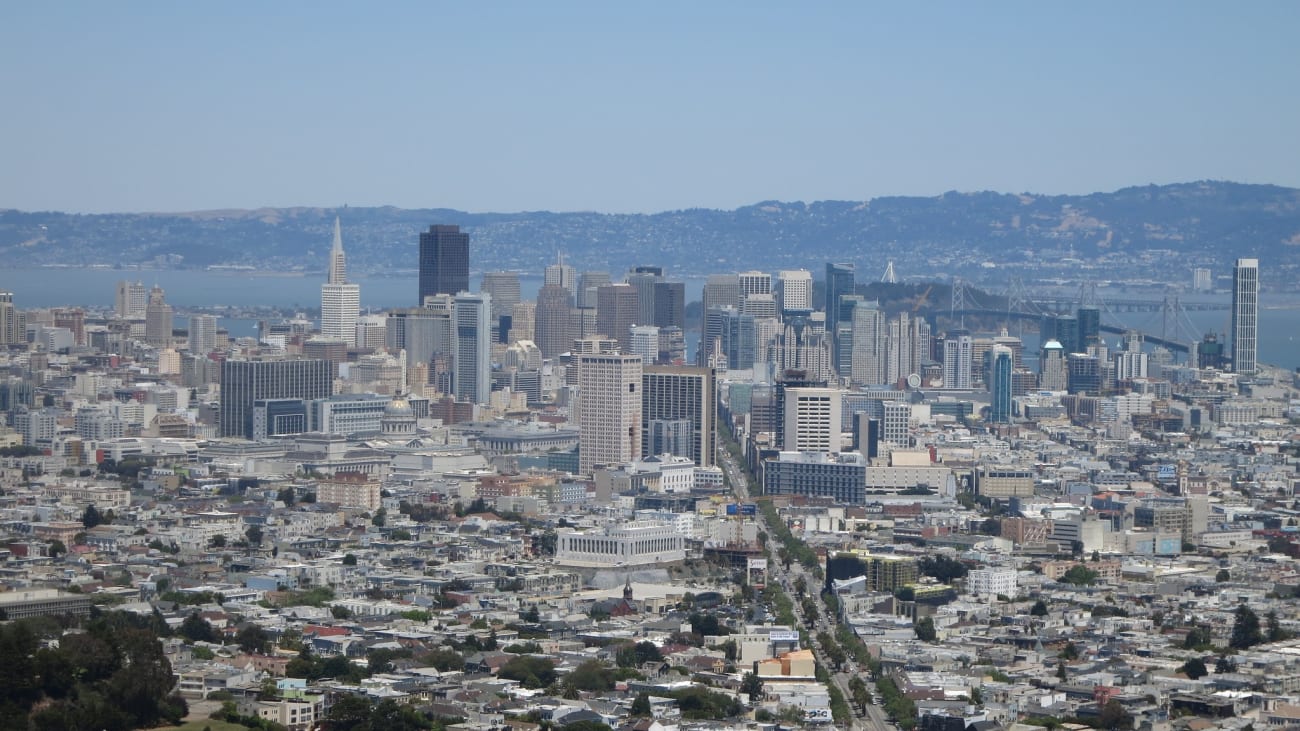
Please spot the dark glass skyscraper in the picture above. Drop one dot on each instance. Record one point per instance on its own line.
(444, 261)
(839, 280)
(1000, 386)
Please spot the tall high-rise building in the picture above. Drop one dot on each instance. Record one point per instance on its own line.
(679, 412)
(1201, 280)
(561, 275)
(794, 291)
(645, 343)
(471, 347)
(340, 300)
(643, 279)
(907, 347)
(670, 304)
(761, 306)
(1245, 315)
(958, 352)
(12, 328)
(617, 306)
(1083, 374)
(202, 334)
(504, 290)
(721, 290)
(1052, 370)
(131, 299)
(1001, 361)
(869, 338)
(587, 284)
(423, 332)
(753, 282)
(158, 318)
(444, 261)
(554, 332)
(244, 382)
(811, 417)
(609, 409)
(839, 281)
(1089, 319)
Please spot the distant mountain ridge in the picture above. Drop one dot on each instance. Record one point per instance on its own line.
(1203, 223)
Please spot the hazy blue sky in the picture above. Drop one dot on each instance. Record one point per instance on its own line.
(617, 106)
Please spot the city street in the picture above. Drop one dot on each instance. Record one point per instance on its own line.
(874, 719)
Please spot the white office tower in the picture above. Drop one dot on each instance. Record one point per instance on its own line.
(812, 420)
(1130, 365)
(867, 364)
(340, 301)
(794, 290)
(1245, 315)
(896, 426)
(471, 340)
(645, 342)
(753, 282)
(907, 344)
(587, 284)
(1201, 281)
(132, 298)
(561, 275)
(609, 409)
(370, 332)
(202, 334)
(958, 353)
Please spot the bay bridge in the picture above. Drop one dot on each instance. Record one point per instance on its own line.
(1176, 332)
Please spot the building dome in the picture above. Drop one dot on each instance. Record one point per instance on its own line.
(399, 406)
(398, 419)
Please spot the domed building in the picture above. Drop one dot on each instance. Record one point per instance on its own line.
(398, 421)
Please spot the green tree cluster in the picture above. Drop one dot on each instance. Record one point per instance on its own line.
(897, 705)
(531, 672)
(112, 676)
(943, 568)
(698, 703)
(1245, 629)
(356, 713)
(1080, 575)
(925, 630)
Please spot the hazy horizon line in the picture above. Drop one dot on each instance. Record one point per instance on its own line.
(337, 208)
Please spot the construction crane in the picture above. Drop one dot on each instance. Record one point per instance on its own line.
(921, 300)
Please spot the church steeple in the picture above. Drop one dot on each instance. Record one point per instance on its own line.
(338, 262)
(627, 589)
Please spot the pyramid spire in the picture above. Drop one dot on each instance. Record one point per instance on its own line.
(338, 273)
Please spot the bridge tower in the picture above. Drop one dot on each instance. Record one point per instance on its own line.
(890, 277)
(957, 303)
